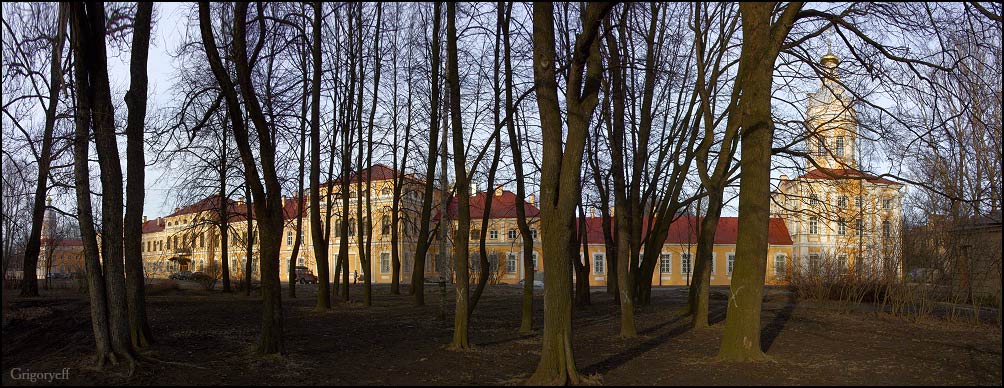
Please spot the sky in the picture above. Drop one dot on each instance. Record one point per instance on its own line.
(170, 27)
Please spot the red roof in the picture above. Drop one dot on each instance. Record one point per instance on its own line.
(684, 231)
(237, 210)
(845, 173)
(503, 206)
(153, 226)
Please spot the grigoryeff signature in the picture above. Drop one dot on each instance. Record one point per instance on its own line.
(27, 374)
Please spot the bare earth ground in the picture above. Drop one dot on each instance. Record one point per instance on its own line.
(395, 343)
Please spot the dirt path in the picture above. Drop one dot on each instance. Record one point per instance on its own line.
(395, 343)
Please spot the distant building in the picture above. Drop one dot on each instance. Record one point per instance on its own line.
(840, 218)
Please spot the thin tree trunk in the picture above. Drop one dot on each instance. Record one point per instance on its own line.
(526, 310)
(462, 237)
(33, 247)
(418, 275)
(319, 236)
(701, 281)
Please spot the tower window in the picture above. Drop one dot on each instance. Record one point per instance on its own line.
(840, 146)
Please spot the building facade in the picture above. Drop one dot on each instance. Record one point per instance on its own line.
(840, 218)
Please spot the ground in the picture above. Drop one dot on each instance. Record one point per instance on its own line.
(205, 338)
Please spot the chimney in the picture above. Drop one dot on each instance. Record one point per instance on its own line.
(160, 221)
(592, 212)
(176, 209)
(784, 177)
(283, 200)
(240, 201)
(144, 219)
(531, 199)
(498, 191)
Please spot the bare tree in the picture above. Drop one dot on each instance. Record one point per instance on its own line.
(560, 174)
(424, 235)
(135, 190)
(267, 202)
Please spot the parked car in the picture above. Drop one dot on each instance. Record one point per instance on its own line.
(304, 275)
(536, 283)
(183, 275)
(200, 276)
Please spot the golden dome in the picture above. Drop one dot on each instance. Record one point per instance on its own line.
(829, 60)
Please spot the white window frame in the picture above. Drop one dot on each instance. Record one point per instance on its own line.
(813, 225)
(730, 263)
(493, 234)
(602, 268)
(536, 261)
(780, 270)
(385, 260)
(512, 262)
(686, 263)
(840, 146)
(666, 260)
(512, 234)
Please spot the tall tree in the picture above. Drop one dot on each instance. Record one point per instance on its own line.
(462, 236)
(762, 40)
(135, 98)
(711, 47)
(30, 264)
(268, 202)
(425, 220)
(317, 232)
(94, 95)
(526, 311)
(560, 174)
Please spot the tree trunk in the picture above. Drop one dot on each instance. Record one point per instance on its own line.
(103, 118)
(761, 43)
(526, 311)
(622, 202)
(139, 327)
(33, 247)
(418, 275)
(462, 237)
(268, 203)
(317, 232)
(82, 178)
(560, 174)
(701, 281)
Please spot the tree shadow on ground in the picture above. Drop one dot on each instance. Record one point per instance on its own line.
(770, 332)
(617, 360)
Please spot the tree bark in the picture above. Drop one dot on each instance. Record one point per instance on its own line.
(761, 43)
(317, 231)
(418, 275)
(33, 247)
(560, 175)
(139, 327)
(462, 189)
(267, 202)
(82, 177)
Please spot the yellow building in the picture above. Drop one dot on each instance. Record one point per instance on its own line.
(676, 260)
(840, 218)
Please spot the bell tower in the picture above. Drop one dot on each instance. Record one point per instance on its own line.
(831, 124)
